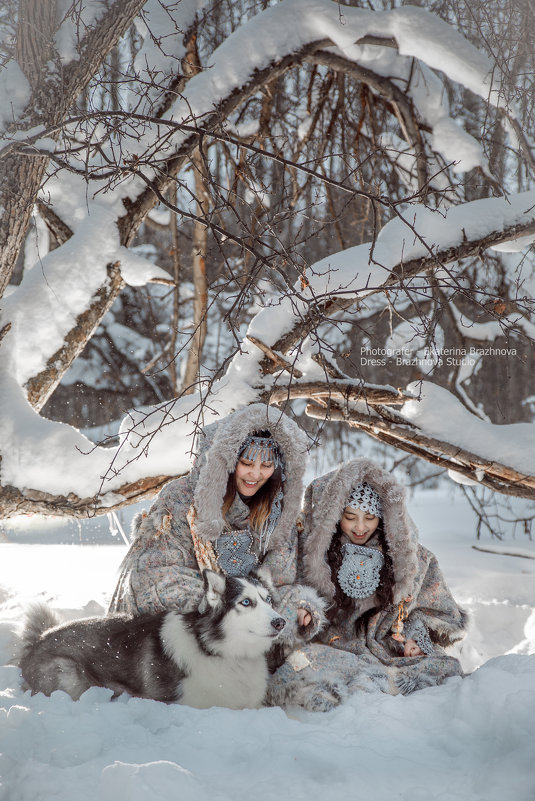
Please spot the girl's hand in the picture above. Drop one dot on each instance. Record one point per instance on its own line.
(412, 649)
(303, 617)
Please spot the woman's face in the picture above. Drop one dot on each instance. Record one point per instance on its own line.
(357, 525)
(251, 474)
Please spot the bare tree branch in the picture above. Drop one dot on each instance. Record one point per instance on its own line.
(322, 308)
(13, 502)
(494, 475)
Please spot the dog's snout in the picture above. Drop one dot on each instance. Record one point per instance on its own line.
(278, 623)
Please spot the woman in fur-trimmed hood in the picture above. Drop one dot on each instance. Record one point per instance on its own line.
(234, 512)
(389, 609)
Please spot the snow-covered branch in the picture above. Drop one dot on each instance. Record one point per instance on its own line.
(261, 188)
(339, 280)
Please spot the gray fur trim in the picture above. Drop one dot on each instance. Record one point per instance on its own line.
(445, 635)
(220, 447)
(307, 692)
(325, 500)
(297, 597)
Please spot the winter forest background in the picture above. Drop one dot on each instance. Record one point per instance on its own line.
(325, 205)
(329, 206)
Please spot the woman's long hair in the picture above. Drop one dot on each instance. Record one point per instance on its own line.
(385, 589)
(261, 502)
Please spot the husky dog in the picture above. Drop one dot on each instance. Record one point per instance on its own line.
(213, 656)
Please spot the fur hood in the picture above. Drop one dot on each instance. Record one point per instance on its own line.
(217, 453)
(325, 499)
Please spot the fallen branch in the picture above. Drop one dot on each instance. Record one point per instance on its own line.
(498, 477)
(335, 390)
(14, 502)
(504, 553)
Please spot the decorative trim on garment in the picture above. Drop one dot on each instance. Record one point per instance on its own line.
(165, 525)
(234, 554)
(417, 630)
(398, 625)
(204, 552)
(270, 523)
(359, 573)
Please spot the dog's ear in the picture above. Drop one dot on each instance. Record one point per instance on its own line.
(214, 587)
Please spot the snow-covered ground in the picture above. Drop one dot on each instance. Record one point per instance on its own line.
(468, 740)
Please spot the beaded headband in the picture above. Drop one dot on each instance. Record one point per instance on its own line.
(265, 446)
(365, 498)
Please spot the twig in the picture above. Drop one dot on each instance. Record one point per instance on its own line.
(503, 553)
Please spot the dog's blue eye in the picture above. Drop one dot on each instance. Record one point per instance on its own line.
(269, 600)
(246, 602)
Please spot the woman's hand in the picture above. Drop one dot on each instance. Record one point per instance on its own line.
(303, 617)
(412, 649)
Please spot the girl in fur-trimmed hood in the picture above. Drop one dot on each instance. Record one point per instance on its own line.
(234, 512)
(389, 609)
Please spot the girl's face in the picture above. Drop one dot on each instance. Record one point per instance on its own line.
(357, 525)
(251, 475)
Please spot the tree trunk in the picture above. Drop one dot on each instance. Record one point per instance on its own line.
(55, 87)
(200, 297)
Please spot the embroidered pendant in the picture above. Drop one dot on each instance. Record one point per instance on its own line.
(234, 555)
(358, 575)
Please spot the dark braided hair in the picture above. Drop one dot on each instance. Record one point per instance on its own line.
(385, 589)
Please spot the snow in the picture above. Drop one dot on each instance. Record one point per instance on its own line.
(441, 415)
(54, 295)
(14, 93)
(456, 145)
(469, 740)
(37, 242)
(138, 271)
(74, 22)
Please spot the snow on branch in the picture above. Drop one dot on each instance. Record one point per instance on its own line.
(44, 457)
(462, 464)
(270, 44)
(407, 246)
(47, 466)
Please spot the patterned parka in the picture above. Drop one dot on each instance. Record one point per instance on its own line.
(162, 571)
(357, 650)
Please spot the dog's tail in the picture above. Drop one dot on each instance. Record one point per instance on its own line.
(39, 618)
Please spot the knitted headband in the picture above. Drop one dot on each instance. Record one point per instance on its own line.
(365, 498)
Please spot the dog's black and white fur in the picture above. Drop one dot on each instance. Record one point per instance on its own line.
(213, 656)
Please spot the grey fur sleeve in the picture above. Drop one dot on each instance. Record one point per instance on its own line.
(435, 606)
(160, 570)
(282, 561)
(292, 598)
